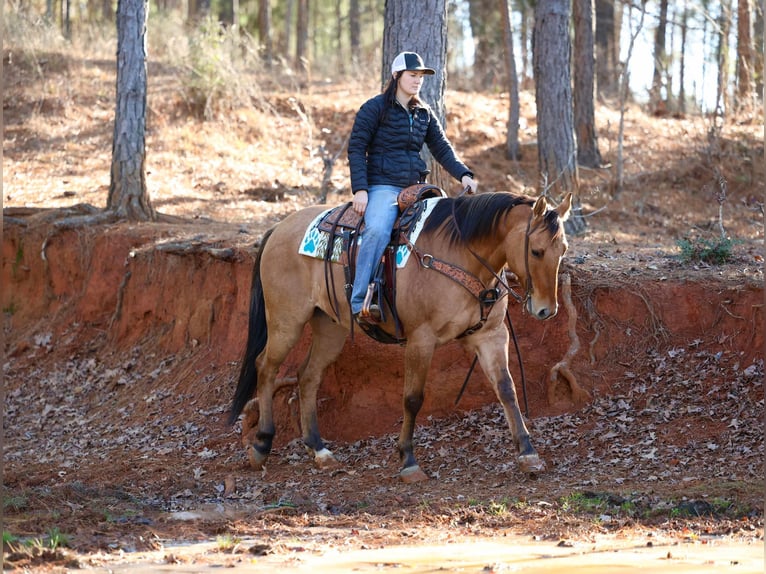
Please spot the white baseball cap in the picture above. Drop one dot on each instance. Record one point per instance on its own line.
(409, 61)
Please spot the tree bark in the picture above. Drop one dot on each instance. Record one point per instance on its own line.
(758, 51)
(527, 16)
(264, 32)
(745, 81)
(606, 49)
(302, 36)
(128, 197)
(488, 38)
(660, 58)
(584, 109)
(289, 11)
(512, 148)
(724, 27)
(402, 32)
(355, 32)
(682, 60)
(556, 148)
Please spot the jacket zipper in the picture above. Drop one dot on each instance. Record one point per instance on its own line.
(411, 120)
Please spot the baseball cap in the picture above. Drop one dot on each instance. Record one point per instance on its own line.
(409, 61)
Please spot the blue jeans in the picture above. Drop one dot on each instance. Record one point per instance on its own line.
(379, 218)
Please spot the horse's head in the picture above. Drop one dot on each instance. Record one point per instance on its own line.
(545, 245)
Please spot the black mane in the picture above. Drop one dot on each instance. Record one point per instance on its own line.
(476, 216)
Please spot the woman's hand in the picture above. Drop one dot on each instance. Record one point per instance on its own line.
(360, 201)
(469, 182)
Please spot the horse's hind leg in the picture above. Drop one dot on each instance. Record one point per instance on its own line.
(280, 342)
(327, 343)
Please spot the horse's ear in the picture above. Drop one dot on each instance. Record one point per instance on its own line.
(565, 207)
(540, 207)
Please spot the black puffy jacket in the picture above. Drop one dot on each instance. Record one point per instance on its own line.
(387, 151)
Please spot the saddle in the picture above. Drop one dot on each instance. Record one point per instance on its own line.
(342, 219)
(345, 223)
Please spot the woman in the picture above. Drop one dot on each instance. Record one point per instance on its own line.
(384, 158)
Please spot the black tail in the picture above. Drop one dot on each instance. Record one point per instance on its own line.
(257, 335)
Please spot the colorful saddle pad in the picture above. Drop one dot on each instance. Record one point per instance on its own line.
(315, 240)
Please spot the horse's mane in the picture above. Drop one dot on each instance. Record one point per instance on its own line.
(476, 216)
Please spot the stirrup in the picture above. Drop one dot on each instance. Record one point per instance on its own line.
(372, 317)
(370, 312)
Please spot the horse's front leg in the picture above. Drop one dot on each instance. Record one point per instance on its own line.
(417, 360)
(493, 358)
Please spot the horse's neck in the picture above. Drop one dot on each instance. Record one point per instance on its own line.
(483, 259)
(505, 249)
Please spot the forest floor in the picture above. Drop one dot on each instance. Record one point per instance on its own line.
(107, 456)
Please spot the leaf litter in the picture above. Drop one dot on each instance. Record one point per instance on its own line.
(112, 454)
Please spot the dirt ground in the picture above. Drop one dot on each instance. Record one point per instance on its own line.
(113, 422)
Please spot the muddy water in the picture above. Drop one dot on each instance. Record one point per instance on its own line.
(512, 554)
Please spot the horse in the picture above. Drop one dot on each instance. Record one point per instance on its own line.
(478, 237)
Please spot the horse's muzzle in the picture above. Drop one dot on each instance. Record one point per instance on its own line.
(543, 313)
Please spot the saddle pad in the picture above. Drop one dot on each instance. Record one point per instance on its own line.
(314, 243)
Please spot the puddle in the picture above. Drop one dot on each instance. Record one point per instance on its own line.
(484, 555)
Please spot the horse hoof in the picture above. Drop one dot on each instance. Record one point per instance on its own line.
(531, 464)
(257, 460)
(412, 474)
(325, 459)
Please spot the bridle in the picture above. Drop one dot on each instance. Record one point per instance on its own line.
(486, 296)
(528, 287)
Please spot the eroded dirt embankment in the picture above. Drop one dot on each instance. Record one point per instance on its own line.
(150, 292)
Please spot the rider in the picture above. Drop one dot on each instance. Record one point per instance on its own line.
(384, 158)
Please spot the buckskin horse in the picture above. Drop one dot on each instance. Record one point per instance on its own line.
(462, 253)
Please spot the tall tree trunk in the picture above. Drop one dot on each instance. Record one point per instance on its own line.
(584, 109)
(355, 32)
(556, 147)
(302, 36)
(198, 10)
(758, 53)
(724, 28)
(488, 37)
(670, 104)
(288, 47)
(107, 11)
(660, 58)
(606, 62)
(128, 197)
(526, 75)
(745, 83)
(67, 23)
(264, 32)
(403, 32)
(682, 60)
(339, 38)
(512, 148)
(226, 12)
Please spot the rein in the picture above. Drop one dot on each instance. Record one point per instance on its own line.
(521, 368)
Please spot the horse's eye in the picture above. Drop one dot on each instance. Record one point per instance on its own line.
(537, 253)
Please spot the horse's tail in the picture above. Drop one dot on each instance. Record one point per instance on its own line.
(257, 335)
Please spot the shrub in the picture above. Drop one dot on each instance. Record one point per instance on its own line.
(223, 66)
(714, 251)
